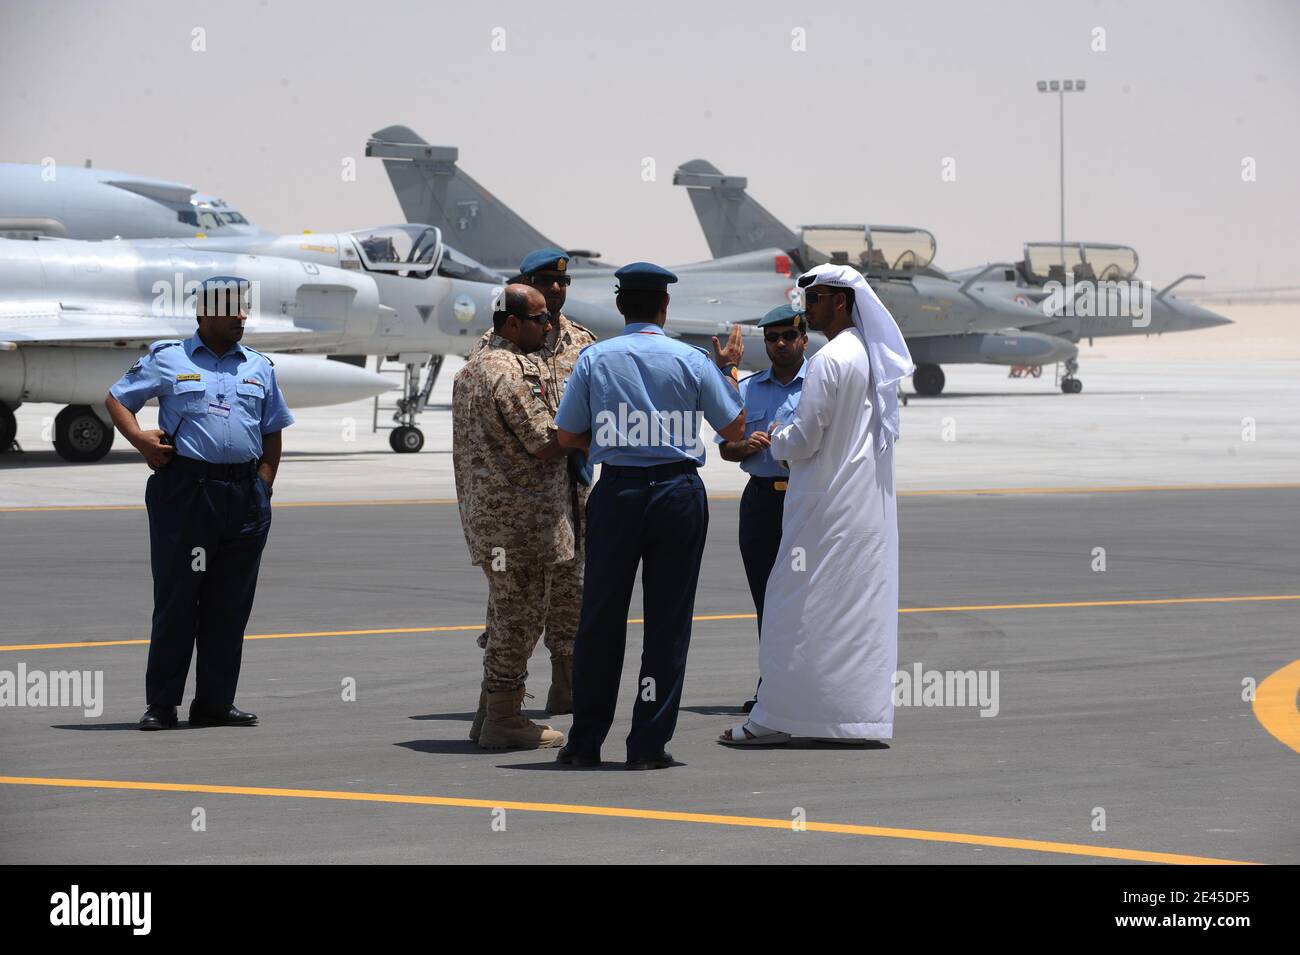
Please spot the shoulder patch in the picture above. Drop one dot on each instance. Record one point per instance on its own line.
(583, 329)
(159, 346)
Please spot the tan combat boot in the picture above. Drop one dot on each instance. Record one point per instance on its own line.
(560, 699)
(506, 727)
(477, 728)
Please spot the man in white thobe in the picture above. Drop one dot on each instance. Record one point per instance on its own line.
(829, 643)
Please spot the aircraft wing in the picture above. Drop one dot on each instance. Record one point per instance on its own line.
(108, 324)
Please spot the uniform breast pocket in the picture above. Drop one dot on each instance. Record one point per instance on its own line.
(251, 397)
(192, 395)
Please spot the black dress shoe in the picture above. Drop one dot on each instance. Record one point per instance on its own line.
(569, 757)
(158, 717)
(662, 761)
(220, 716)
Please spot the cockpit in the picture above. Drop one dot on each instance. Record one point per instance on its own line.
(410, 249)
(210, 214)
(872, 249)
(207, 219)
(1085, 261)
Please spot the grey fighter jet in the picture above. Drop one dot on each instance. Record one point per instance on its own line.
(73, 315)
(75, 203)
(1091, 290)
(946, 319)
(738, 286)
(708, 298)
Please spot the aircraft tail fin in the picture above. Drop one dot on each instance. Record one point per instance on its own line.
(433, 190)
(732, 221)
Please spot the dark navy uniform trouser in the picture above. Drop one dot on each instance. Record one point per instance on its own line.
(655, 517)
(229, 519)
(761, 509)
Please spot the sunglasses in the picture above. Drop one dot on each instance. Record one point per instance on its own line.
(543, 280)
(789, 335)
(812, 297)
(542, 317)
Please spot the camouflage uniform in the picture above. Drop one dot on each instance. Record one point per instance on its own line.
(559, 354)
(516, 510)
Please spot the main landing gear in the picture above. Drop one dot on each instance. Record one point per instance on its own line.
(1069, 384)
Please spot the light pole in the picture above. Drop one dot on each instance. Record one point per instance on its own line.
(1060, 88)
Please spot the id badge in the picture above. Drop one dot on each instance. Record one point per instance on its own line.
(221, 411)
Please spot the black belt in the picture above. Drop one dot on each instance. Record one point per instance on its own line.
(775, 483)
(655, 472)
(217, 472)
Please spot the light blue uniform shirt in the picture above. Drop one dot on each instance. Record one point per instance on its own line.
(767, 400)
(215, 409)
(641, 395)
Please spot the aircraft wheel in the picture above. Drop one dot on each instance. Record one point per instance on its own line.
(80, 436)
(1071, 386)
(8, 427)
(928, 380)
(406, 440)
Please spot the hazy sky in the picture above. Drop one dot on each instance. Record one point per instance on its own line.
(855, 128)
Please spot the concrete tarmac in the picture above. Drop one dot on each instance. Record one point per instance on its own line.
(1119, 701)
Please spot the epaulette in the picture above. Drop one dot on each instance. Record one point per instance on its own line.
(258, 353)
(156, 347)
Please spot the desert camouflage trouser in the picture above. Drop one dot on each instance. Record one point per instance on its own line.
(565, 605)
(517, 603)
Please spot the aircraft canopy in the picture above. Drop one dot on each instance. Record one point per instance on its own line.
(409, 248)
(1090, 261)
(871, 248)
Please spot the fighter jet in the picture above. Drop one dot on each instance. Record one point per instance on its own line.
(753, 268)
(707, 300)
(418, 321)
(1091, 290)
(946, 319)
(69, 310)
(76, 203)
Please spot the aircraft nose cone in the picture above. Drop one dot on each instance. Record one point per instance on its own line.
(1188, 317)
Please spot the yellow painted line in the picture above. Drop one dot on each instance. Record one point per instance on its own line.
(968, 608)
(252, 636)
(1275, 704)
(938, 492)
(619, 812)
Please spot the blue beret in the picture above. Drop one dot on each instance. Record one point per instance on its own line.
(544, 260)
(782, 315)
(644, 276)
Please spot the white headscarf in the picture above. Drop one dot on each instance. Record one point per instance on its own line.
(891, 361)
